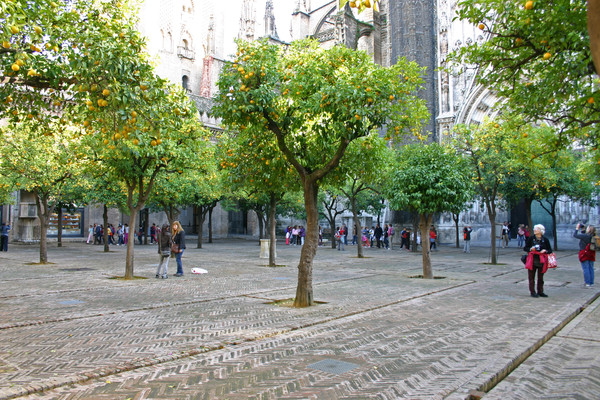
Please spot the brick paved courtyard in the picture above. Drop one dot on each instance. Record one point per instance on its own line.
(70, 331)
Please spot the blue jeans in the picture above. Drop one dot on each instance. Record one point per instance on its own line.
(340, 245)
(179, 264)
(588, 272)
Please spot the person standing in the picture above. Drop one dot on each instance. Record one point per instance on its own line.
(339, 236)
(586, 255)
(391, 234)
(521, 235)
(302, 234)
(467, 237)
(432, 238)
(140, 234)
(4, 229)
(179, 240)
(126, 233)
(404, 239)
(505, 233)
(164, 251)
(91, 233)
(320, 236)
(378, 235)
(386, 237)
(153, 233)
(538, 247)
(120, 240)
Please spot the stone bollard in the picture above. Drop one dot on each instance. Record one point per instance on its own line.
(264, 248)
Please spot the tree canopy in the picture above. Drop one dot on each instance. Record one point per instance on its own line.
(537, 58)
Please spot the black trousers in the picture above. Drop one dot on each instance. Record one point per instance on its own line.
(540, 280)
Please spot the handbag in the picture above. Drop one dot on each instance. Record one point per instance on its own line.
(524, 258)
(174, 248)
(552, 260)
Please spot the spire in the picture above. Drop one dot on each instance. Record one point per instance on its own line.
(270, 28)
(302, 6)
(247, 20)
(210, 37)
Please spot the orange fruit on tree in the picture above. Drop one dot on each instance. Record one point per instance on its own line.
(547, 56)
(529, 5)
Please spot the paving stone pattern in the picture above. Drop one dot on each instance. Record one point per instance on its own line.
(69, 331)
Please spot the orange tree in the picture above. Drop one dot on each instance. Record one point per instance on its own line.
(313, 102)
(364, 168)
(134, 123)
(537, 174)
(428, 179)
(42, 164)
(490, 149)
(43, 51)
(190, 187)
(537, 58)
(255, 168)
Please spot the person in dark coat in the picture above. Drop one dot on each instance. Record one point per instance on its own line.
(538, 247)
(164, 250)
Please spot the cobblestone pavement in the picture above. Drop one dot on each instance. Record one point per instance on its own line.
(69, 330)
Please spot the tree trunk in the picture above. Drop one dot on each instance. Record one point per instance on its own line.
(593, 24)
(455, 217)
(528, 202)
(59, 214)
(44, 218)
(145, 225)
(416, 228)
(272, 220)
(129, 258)
(304, 291)
(210, 233)
(492, 218)
(424, 224)
(359, 246)
(553, 214)
(105, 231)
(261, 224)
(200, 224)
(172, 213)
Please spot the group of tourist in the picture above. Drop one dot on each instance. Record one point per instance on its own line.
(168, 245)
(96, 234)
(294, 236)
(171, 243)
